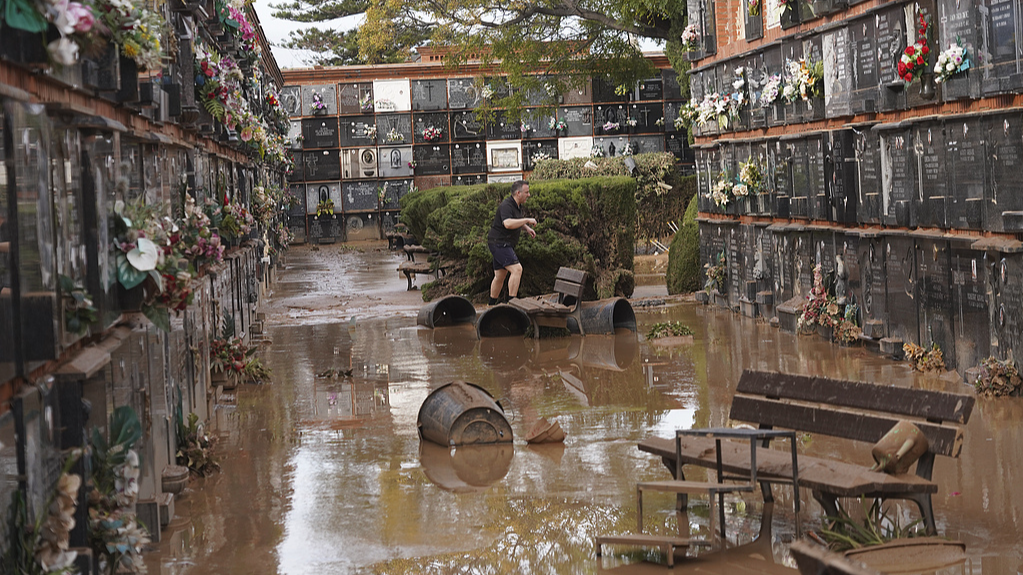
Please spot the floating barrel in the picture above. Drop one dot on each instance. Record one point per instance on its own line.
(611, 352)
(503, 320)
(461, 413)
(447, 311)
(604, 316)
(467, 468)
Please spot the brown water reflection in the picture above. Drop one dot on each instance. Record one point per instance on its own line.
(329, 476)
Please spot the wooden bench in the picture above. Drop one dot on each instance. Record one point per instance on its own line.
(410, 268)
(411, 250)
(553, 310)
(836, 408)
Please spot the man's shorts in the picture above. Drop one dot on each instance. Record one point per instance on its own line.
(504, 255)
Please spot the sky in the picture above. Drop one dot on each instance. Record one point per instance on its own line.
(277, 30)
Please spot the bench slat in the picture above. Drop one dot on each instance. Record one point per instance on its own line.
(567, 288)
(922, 403)
(571, 275)
(826, 475)
(860, 426)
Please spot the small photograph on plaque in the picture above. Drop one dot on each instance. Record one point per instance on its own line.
(395, 161)
(504, 156)
(391, 96)
(651, 89)
(291, 100)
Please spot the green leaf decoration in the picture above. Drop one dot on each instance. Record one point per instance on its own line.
(22, 14)
(125, 428)
(127, 274)
(158, 315)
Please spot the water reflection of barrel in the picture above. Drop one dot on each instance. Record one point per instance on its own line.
(447, 341)
(613, 352)
(447, 311)
(460, 413)
(466, 468)
(501, 321)
(604, 316)
(504, 354)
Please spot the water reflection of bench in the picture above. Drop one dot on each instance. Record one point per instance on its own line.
(842, 409)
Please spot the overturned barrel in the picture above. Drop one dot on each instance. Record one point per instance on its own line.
(447, 311)
(603, 316)
(501, 321)
(462, 413)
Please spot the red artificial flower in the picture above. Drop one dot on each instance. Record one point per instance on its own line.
(925, 50)
(920, 60)
(908, 77)
(923, 31)
(902, 69)
(909, 50)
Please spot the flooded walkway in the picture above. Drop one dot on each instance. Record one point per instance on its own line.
(328, 476)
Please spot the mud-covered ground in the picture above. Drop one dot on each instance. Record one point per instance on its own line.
(328, 475)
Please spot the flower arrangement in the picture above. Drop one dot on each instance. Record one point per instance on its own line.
(115, 534)
(659, 121)
(196, 447)
(751, 174)
(691, 37)
(596, 151)
(951, 61)
(265, 202)
(412, 164)
(631, 122)
(236, 222)
(539, 157)
(821, 307)
(621, 90)
(772, 90)
(721, 192)
(229, 355)
(805, 80)
(913, 62)
(318, 106)
(753, 7)
(79, 311)
(393, 135)
(557, 125)
(135, 29)
(610, 127)
(432, 134)
(998, 378)
(717, 274)
(370, 132)
(525, 128)
(486, 92)
(325, 208)
(922, 359)
(366, 103)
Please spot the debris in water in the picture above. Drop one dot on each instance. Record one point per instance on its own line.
(545, 432)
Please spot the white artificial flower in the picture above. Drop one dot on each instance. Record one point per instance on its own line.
(63, 51)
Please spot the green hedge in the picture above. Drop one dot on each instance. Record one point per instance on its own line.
(683, 275)
(586, 224)
(655, 204)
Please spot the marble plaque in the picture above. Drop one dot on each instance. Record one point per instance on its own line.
(356, 98)
(469, 180)
(971, 321)
(605, 91)
(1007, 313)
(781, 154)
(579, 94)
(958, 20)
(321, 192)
(579, 120)
(392, 96)
(537, 149)
(291, 100)
(898, 177)
(1005, 154)
(800, 199)
(503, 128)
(931, 196)
(359, 131)
(967, 152)
(934, 274)
(838, 78)
(868, 160)
(322, 165)
(394, 191)
(538, 123)
(504, 156)
(462, 93)
(646, 116)
(612, 146)
(297, 227)
(429, 94)
(1005, 71)
(901, 288)
(890, 40)
(298, 170)
(678, 145)
(614, 114)
(469, 158)
(671, 111)
(394, 128)
(432, 160)
(804, 259)
(297, 207)
(466, 126)
(295, 134)
(319, 133)
(326, 94)
(394, 161)
(873, 299)
(438, 120)
(841, 175)
(865, 82)
(646, 144)
(504, 178)
(818, 192)
(651, 89)
(774, 64)
(672, 89)
(360, 196)
(576, 147)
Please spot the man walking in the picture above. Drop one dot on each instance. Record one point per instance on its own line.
(503, 236)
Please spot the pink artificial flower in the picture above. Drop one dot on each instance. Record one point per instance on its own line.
(82, 17)
(246, 134)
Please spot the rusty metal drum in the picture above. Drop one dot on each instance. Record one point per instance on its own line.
(462, 413)
(447, 311)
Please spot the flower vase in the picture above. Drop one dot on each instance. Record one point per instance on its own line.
(826, 331)
(130, 300)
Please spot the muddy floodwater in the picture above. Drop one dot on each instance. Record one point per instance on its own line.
(327, 475)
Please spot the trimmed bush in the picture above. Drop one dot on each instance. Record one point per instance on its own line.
(683, 275)
(586, 224)
(655, 205)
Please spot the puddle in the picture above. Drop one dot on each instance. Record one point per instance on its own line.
(327, 475)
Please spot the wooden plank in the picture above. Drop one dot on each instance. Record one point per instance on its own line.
(826, 475)
(857, 425)
(692, 487)
(816, 560)
(922, 403)
(415, 267)
(643, 538)
(571, 275)
(568, 288)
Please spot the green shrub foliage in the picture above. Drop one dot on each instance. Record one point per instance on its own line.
(656, 205)
(683, 275)
(586, 224)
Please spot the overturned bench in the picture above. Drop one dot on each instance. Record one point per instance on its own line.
(836, 408)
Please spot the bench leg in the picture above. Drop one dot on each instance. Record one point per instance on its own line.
(828, 502)
(923, 501)
(408, 276)
(639, 510)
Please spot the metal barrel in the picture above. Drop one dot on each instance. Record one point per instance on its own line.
(502, 320)
(447, 311)
(611, 352)
(462, 413)
(603, 316)
(467, 468)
